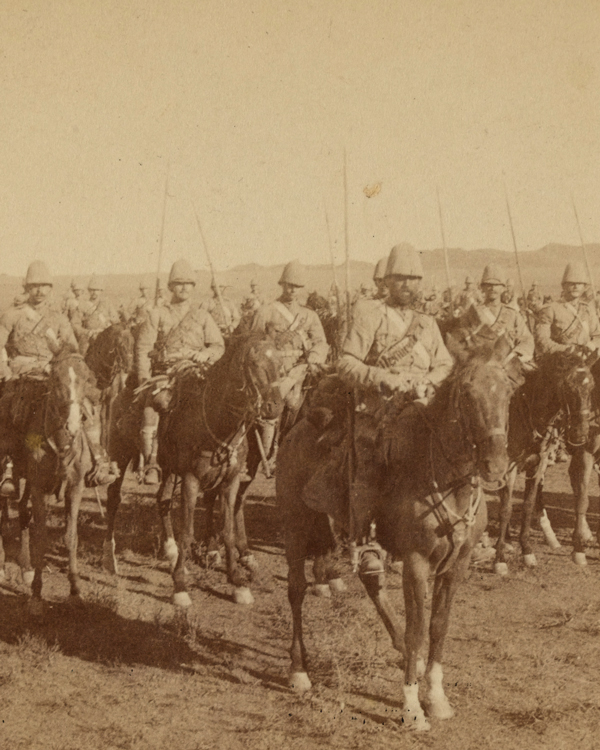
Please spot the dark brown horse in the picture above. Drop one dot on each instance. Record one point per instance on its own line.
(427, 505)
(49, 447)
(110, 358)
(203, 439)
(556, 398)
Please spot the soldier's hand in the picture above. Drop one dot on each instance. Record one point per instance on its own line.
(390, 382)
(199, 358)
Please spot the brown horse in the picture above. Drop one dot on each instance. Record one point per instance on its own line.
(555, 398)
(427, 506)
(48, 448)
(110, 358)
(203, 439)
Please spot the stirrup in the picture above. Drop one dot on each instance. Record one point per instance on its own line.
(147, 474)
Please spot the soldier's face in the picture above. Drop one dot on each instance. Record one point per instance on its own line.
(492, 292)
(38, 293)
(289, 292)
(573, 291)
(78, 293)
(181, 291)
(403, 289)
(94, 294)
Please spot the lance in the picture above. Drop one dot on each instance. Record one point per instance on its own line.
(347, 242)
(514, 240)
(162, 234)
(332, 261)
(212, 272)
(446, 259)
(585, 255)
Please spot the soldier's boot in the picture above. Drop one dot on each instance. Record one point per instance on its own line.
(103, 471)
(151, 473)
(7, 483)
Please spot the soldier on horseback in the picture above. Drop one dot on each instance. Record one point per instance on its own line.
(392, 349)
(140, 308)
(173, 333)
(30, 336)
(299, 335)
(94, 316)
(569, 322)
(498, 319)
(223, 311)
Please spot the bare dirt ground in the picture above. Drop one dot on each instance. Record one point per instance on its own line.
(125, 670)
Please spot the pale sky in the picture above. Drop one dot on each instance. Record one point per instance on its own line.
(253, 104)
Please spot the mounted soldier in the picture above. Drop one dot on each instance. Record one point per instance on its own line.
(494, 318)
(391, 350)
(223, 311)
(569, 322)
(433, 303)
(94, 316)
(141, 307)
(175, 332)
(73, 304)
(508, 295)
(468, 296)
(30, 336)
(299, 335)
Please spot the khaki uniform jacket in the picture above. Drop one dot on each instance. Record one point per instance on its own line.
(30, 336)
(562, 324)
(299, 332)
(175, 332)
(227, 320)
(507, 322)
(95, 316)
(384, 339)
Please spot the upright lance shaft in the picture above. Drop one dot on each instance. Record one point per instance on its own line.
(585, 255)
(514, 240)
(162, 234)
(446, 259)
(332, 261)
(212, 271)
(347, 242)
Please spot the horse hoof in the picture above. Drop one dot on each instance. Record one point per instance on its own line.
(299, 681)
(321, 589)
(501, 569)
(439, 709)
(213, 559)
(109, 561)
(415, 722)
(579, 558)
(171, 553)
(242, 595)
(337, 585)
(249, 562)
(28, 576)
(36, 607)
(529, 561)
(182, 599)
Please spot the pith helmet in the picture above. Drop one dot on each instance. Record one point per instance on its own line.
(379, 272)
(38, 273)
(575, 273)
(468, 280)
(293, 273)
(404, 260)
(493, 274)
(77, 286)
(182, 273)
(95, 284)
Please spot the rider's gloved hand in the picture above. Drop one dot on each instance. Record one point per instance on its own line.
(390, 382)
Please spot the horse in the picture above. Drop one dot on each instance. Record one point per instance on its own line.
(202, 438)
(556, 397)
(427, 505)
(110, 358)
(49, 447)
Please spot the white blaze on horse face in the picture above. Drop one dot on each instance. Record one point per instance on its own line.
(74, 419)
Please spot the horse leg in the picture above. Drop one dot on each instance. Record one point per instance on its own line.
(444, 589)
(38, 548)
(164, 501)
(72, 505)
(532, 483)
(113, 500)
(580, 470)
(189, 493)
(296, 550)
(235, 574)
(414, 580)
(24, 558)
(3, 533)
(542, 516)
(506, 503)
(213, 555)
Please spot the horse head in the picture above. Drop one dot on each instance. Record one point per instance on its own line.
(482, 387)
(568, 377)
(263, 373)
(70, 383)
(111, 354)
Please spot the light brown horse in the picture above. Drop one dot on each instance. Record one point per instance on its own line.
(202, 438)
(49, 447)
(427, 505)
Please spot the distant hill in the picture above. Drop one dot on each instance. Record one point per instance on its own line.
(545, 266)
